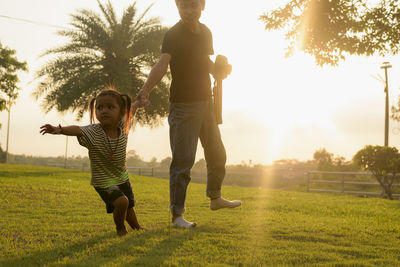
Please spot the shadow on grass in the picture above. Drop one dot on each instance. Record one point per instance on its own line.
(166, 248)
(143, 248)
(50, 256)
(152, 248)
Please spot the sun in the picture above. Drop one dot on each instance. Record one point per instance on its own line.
(287, 97)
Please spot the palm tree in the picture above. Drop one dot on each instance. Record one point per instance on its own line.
(103, 51)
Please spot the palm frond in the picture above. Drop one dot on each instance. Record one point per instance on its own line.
(141, 17)
(102, 51)
(109, 13)
(127, 19)
(92, 29)
(147, 42)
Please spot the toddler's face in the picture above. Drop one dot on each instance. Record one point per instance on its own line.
(108, 112)
(190, 10)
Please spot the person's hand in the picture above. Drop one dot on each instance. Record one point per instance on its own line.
(134, 107)
(142, 98)
(50, 129)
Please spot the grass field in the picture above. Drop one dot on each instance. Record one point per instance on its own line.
(53, 217)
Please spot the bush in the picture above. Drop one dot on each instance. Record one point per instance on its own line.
(383, 162)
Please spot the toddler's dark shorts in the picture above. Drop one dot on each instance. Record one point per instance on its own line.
(110, 194)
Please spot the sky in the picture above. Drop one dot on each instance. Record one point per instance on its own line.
(274, 107)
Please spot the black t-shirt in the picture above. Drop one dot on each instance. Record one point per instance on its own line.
(189, 62)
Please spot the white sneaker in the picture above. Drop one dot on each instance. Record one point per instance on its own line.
(220, 203)
(182, 223)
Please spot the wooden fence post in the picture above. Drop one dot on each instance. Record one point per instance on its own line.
(342, 183)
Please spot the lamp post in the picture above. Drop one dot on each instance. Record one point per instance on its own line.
(66, 151)
(66, 147)
(8, 127)
(385, 66)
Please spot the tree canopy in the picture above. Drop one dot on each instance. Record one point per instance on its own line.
(329, 162)
(9, 66)
(104, 50)
(331, 29)
(383, 162)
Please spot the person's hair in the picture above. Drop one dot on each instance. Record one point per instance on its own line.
(124, 102)
(201, 1)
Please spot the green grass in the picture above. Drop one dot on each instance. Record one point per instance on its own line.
(53, 217)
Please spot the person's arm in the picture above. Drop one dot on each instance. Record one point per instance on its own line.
(211, 67)
(67, 130)
(155, 76)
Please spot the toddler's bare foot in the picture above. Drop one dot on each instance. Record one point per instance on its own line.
(122, 231)
(140, 228)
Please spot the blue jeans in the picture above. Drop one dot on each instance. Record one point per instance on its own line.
(188, 122)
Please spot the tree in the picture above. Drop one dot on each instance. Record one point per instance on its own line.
(328, 162)
(383, 162)
(2, 155)
(200, 165)
(104, 51)
(396, 111)
(166, 162)
(133, 159)
(153, 162)
(324, 159)
(9, 66)
(330, 29)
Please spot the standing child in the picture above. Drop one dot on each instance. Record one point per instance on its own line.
(106, 142)
(186, 48)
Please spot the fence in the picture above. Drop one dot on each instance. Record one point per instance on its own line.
(82, 167)
(343, 183)
(132, 170)
(141, 171)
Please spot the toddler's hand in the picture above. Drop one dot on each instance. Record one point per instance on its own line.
(50, 129)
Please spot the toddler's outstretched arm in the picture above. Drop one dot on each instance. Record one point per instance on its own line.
(67, 130)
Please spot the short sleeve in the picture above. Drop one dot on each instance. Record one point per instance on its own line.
(122, 125)
(210, 47)
(87, 137)
(167, 45)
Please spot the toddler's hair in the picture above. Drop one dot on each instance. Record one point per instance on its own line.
(124, 102)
